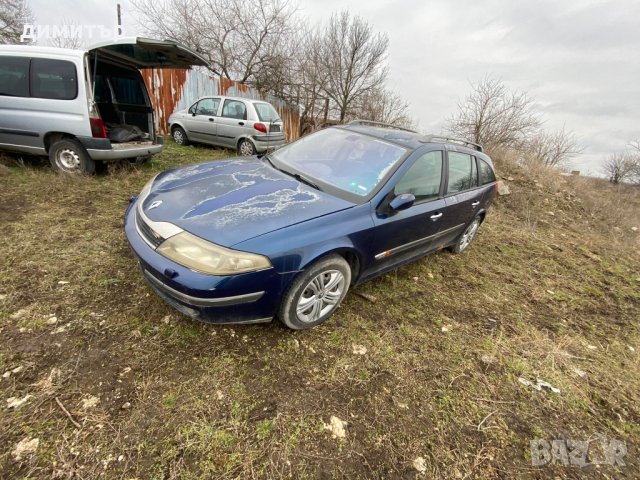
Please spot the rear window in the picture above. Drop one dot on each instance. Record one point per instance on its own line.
(53, 79)
(128, 90)
(266, 113)
(486, 173)
(14, 74)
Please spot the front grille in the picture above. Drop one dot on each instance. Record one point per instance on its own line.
(274, 128)
(150, 235)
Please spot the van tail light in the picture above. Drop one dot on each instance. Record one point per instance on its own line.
(98, 129)
(261, 127)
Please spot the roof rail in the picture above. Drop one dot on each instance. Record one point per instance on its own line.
(445, 139)
(379, 124)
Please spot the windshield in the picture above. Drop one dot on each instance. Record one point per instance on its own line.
(344, 159)
(266, 113)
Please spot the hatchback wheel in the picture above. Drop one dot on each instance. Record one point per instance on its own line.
(180, 136)
(246, 148)
(316, 293)
(467, 236)
(69, 156)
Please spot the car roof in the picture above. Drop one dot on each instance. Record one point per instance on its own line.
(413, 140)
(227, 97)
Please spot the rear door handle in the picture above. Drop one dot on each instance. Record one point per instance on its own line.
(475, 204)
(211, 119)
(240, 123)
(436, 216)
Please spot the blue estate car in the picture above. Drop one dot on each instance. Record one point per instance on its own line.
(286, 234)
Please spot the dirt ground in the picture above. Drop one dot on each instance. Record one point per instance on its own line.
(420, 367)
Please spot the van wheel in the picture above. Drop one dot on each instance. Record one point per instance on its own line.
(246, 148)
(316, 293)
(180, 136)
(69, 156)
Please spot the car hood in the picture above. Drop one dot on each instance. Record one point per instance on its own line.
(230, 201)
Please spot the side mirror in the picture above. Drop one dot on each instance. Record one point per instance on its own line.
(402, 202)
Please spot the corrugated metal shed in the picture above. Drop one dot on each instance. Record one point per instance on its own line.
(174, 89)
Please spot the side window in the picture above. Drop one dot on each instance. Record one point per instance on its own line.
(208, 106)
(234, 109)
(14, 76)
(54, 79)
(486, 173)
(423, 178)
(461, 172)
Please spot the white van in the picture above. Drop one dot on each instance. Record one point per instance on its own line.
(83, 106)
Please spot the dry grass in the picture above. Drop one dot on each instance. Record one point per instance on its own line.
(538, 295)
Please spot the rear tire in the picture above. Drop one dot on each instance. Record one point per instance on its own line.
(316, 293)
(467, 236)
(69, 156)
(180, 136)
(246, 148)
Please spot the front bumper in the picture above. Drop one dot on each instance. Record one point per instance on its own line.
(245, 298)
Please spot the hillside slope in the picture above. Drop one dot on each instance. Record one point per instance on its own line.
(423, 364)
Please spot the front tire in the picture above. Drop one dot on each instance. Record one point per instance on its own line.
(69, 156)
(316, 293)
(246, 148)
(467, 236)
(180, 136)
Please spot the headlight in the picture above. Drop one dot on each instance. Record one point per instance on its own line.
(206, 257)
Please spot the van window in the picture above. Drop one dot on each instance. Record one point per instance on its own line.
(54, 79)
(14, 75)
(128, 90)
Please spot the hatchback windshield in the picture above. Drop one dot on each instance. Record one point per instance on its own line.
(266, 113)
(344, 159)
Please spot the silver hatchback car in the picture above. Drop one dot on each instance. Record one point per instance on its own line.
(246, 125)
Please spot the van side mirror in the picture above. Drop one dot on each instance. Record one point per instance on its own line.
(402, 202)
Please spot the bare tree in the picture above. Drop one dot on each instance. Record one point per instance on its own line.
(621, 167)
(241, 38)
(383, 105)
(494, 116)
(353, 59)
(553, 148)
(14, 14)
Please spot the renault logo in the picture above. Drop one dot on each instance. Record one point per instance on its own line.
(155, 204)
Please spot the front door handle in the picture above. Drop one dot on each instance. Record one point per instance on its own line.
(436, 216)
(240, 123)
(475, 204)
(211, 119)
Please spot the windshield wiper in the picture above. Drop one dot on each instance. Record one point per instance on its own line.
(303, 179)
(297, 176)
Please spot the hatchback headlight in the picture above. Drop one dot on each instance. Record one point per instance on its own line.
(206, 257)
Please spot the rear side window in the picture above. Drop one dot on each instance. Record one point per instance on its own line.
(208, 106)
(461, 172)
(266, 113)
(234, 109)
(486, 173)
(53, 79)
(14, 76)
(128, 90)
(422, 180)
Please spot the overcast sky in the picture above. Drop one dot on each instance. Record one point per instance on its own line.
(579, 59)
